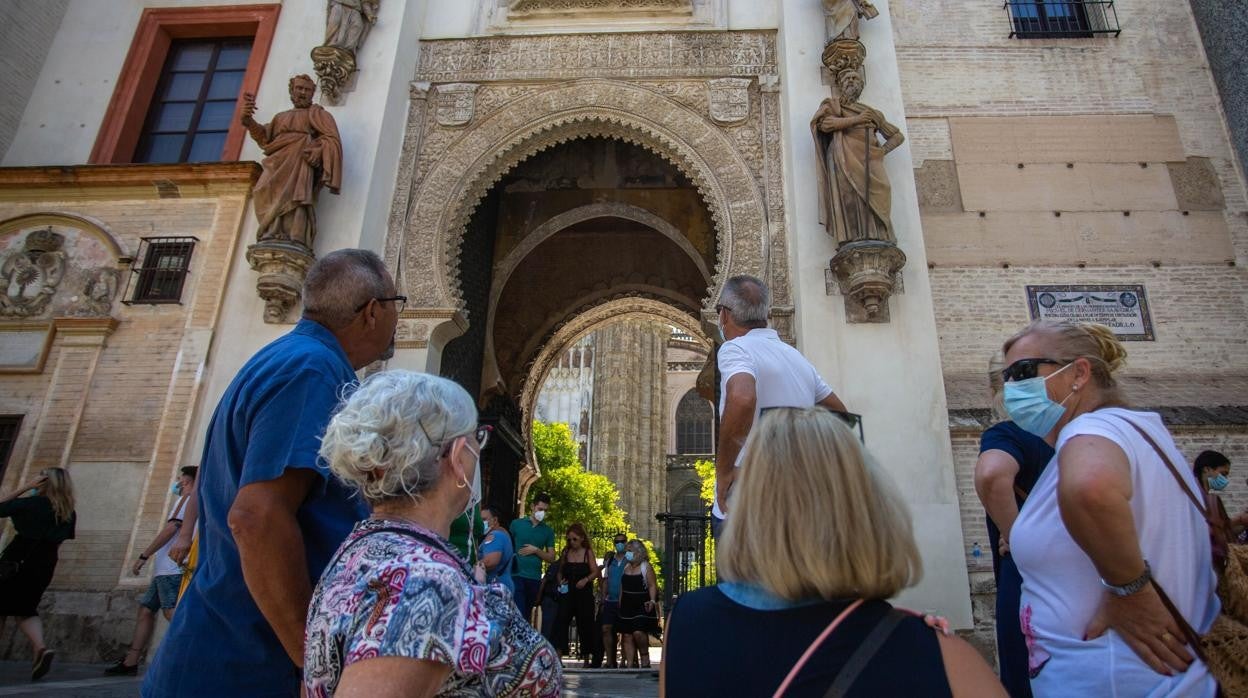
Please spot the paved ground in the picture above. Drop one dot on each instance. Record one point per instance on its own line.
(85, 680)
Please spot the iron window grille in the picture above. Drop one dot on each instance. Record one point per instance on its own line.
(162, 273)
(1061, 19)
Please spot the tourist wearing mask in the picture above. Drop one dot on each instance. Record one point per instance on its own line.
(639, 605)
(577, 571)
(496, 552)
(535, 544)
(609, 596)
(1010, 461)
(42, 512)
(815, 595)
(1213, 471)
(1106, 529)
(397, 611)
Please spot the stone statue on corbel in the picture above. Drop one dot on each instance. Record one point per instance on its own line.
(303, 154)
(347, 23)
(855, 196)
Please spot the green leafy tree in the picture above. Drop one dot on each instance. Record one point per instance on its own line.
(576, 495)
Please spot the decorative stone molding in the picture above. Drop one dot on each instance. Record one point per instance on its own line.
(518, 7)
(729, 100)
(462, 173)
(334, 67)
(283, 266)
(634, 55)
(866, 272)
(99, 292)
(454, 104)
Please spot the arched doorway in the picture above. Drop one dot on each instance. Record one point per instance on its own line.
(594, 234)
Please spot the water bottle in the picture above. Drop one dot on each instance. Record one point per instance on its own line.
(977, 553)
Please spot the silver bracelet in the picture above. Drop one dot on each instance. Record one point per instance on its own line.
(1132, 586)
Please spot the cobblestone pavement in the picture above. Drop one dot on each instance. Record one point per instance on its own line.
(86, 680)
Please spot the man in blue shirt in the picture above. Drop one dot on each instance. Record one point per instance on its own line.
(535, 543)
(270, 514)
(609, 596)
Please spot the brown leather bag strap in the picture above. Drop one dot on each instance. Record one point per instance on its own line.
(1189, 633)
(1175, 472)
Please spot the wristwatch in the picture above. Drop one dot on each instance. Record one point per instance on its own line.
(1132, 586)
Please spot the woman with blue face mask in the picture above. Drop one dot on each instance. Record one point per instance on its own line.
(1107, 529)
(1213, 471)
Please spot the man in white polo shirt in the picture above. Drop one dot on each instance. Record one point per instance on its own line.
(757, 371)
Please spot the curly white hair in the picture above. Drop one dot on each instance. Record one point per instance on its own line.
(387, 436)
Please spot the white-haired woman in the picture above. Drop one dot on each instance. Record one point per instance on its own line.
(398, 612)
(1106, 529)
(44, 518)
(817, 540)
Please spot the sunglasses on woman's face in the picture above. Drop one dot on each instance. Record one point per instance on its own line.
(1024, 369)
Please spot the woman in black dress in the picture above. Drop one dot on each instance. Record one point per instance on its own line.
(639, 616)
(43, 519)
(577, 571)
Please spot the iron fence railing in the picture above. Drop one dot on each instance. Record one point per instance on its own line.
(688, 553)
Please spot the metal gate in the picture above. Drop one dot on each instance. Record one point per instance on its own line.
(688, 553)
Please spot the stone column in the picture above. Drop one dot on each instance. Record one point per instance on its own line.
(628, 417)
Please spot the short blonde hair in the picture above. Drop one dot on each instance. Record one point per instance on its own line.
(387, 437)
(812, 517)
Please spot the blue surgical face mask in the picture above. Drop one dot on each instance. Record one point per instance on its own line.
(1029, 406)
(629, 556)
(176, 488)
(1219, 482)
(619, 547)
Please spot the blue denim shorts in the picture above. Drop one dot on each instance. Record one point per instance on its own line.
(162, 593)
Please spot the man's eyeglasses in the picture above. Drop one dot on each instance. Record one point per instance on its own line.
(400, 302)
(721, 306)
(1023, 369)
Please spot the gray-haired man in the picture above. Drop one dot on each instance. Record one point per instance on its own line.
(270, 515)
(757, 371)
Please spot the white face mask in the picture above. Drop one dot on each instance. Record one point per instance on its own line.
(540, 514)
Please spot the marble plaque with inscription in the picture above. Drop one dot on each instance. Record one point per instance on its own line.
(1121, 307)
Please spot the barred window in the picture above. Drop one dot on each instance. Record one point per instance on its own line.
(1041, 19)
(695, 425)
(160, 277)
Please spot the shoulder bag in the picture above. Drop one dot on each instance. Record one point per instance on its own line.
(1224, 649)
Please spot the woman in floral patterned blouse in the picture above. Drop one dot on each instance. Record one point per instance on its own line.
(398, 612)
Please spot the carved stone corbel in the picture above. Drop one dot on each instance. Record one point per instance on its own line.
(333, 66)
(866, 273)
(283, 266)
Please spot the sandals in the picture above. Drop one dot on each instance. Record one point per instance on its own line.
(43, 662)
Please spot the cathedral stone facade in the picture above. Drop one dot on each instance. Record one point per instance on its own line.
(535, 172)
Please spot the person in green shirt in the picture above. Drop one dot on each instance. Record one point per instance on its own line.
(535, 542)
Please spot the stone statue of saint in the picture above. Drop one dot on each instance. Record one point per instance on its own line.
(302, 153)
(854, 194)
(843, 15)
(347, 22)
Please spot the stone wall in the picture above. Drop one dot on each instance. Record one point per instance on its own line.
(121, 384)
(26, 31)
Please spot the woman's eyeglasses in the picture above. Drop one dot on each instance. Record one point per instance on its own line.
(1024, 369)
(483, 435)
(853, 421)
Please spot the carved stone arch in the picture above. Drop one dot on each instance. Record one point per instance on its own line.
(491, 375)
(611, 311)
(449, 192)
(92, 226)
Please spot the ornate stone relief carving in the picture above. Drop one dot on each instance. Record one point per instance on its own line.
(283, 266)
(659, 100)
(99, 291)
(729, 99)
(867, 273)
(31, 274)
(636, 55)
(523, 6)
(455, 103)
